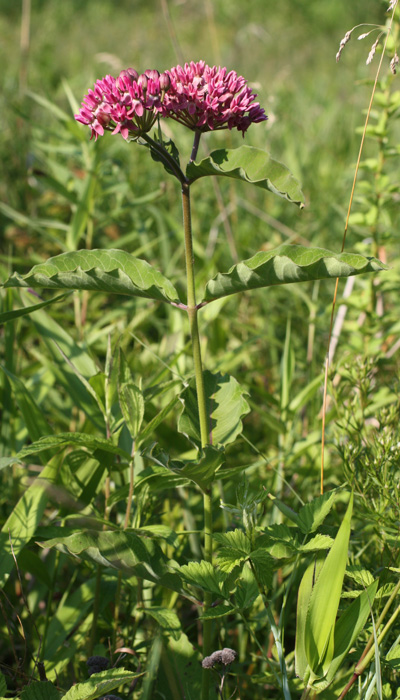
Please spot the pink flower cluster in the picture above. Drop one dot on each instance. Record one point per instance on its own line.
(127, 105)
(196, 95)
(207, 99)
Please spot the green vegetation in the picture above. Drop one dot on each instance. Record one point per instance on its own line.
(154, 515)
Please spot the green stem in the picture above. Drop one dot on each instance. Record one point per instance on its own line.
(192, 311)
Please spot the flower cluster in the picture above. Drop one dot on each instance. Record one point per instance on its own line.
(207, 99)
(127, 105)
(201, 97)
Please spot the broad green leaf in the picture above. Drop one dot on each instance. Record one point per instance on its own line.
(44, 690)
(313, 514)
(250, 165)
(167, 619)
(100, 684)
(111, 271)
(324, 601)
(347, 629)
(287, 264)
(225, 405)
(303, 601)
(7, 316)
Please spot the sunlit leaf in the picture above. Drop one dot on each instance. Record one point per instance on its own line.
(251, 165)
(100, 684)
(111, 271)
(287, 264)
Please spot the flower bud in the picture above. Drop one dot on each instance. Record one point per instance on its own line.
(103, 118)
(133, 73)
(152, 74)
(142, 82)
(165, 82)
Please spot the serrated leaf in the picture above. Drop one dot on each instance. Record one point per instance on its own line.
(361, 576)
(251, 165)
(263, 565)
(237, 539)
(279, 540)
(313, 514)
(167, 619)
(100, 684)
(316, 544)
(111, 271)
(203, 575)
(225, 404)
(235, 550)
(287, 264)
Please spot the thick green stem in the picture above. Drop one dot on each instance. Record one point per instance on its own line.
(202, 407)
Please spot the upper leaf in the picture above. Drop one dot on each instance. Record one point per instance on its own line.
(250, 165)
(286, 264)
(112, 271)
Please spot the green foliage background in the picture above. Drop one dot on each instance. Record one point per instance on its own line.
(273, 341)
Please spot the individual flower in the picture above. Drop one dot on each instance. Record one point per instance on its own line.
(128, 105)
(208, 98)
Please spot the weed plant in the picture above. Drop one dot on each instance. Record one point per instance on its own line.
(169, 529)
